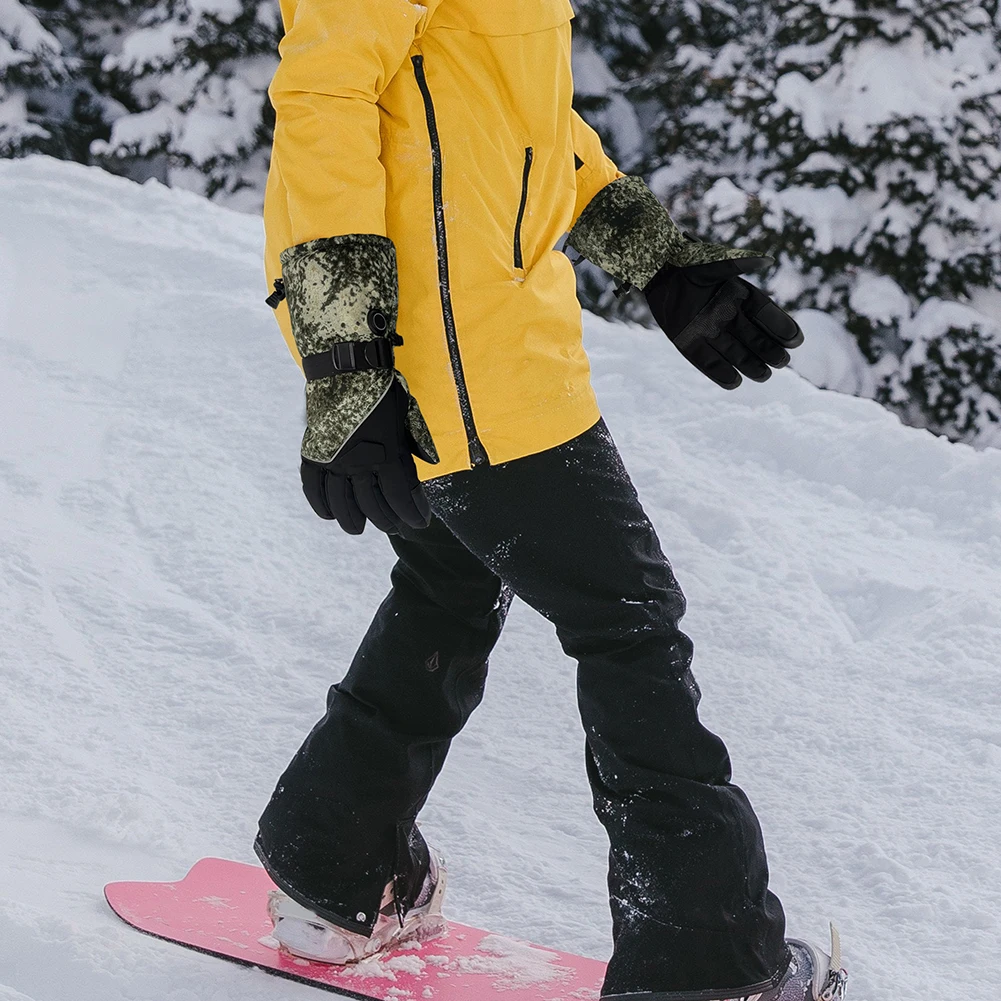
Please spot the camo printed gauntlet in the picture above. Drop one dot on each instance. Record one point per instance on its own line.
(726, 327)
(332, 285)
(628, 233)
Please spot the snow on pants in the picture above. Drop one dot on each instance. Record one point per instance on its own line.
(564, 530)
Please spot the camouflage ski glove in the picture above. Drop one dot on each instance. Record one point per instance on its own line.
(722, 324)
(373, 477)
(726, 327)
(362, 425)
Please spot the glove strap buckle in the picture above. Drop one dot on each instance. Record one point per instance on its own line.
(351, 356)
(343, 356)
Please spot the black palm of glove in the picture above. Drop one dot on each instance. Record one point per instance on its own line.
(722, 324)
(373, 476)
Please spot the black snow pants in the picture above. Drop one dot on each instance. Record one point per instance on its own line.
(563, 530)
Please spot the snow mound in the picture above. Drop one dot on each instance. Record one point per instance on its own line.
(171, 615)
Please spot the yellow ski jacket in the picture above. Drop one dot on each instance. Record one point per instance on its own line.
(447, 127)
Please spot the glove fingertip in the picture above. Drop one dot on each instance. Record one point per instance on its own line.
(341, 498)
(421, 504)
(314, 489)
(319, 511)
(777, 323)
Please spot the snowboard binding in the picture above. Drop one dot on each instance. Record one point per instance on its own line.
(305, 935)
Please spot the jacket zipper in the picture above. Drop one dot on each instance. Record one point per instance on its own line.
(477, 453)
(519, 261)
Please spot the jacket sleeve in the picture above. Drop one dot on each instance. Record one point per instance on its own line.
(337, 57)
(595, 169)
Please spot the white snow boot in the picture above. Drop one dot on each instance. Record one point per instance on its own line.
(304, 934)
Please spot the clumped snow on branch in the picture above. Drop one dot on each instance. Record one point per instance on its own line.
(30, 59)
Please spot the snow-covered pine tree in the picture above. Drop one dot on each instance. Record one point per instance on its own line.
(32, 74)
(193, 75)
(672, 62)
(685, 89)
(610, 48)
(856, 140)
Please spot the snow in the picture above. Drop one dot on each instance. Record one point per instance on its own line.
(518, 964)
(220, 121)
(835, 217)
(725, 201)
(830, 356)
(27, 49)
(511, 964)
(152, 45)
(876, 83)
(172, 614)
(935, 316)
(14, 122)
(617, 119)
(880, 298)
(21, 35)
(225, 10)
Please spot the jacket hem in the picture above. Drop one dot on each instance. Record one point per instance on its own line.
(528, 432)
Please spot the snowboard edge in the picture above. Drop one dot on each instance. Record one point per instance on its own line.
(249, 964)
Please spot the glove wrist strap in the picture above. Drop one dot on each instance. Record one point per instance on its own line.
(351, 356)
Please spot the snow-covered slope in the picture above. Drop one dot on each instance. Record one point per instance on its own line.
(171, 614)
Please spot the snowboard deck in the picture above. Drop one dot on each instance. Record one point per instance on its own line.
(220, 908)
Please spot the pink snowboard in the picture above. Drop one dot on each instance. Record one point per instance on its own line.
(220, 908)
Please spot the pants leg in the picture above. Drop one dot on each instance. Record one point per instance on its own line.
(688, 879)
(341, 821)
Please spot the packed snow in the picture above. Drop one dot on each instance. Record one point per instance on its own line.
(172, 614)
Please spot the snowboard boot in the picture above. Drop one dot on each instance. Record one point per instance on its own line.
(304, 934)
(812, 974)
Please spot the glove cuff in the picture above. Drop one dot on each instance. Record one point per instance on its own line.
(628, 233)
(332, 286)
(335, 286)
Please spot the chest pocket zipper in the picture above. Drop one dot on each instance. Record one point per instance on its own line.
(519, 260)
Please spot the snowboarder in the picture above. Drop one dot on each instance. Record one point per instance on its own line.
(427, 161)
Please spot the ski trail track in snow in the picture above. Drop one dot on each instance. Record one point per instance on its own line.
(172, 614)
